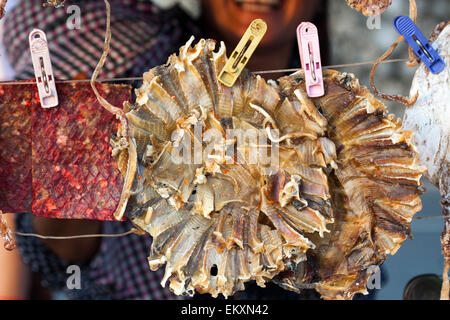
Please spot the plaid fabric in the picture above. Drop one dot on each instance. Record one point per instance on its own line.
(143, 36)
(119, 270)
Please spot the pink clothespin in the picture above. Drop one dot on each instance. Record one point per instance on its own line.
(308, 45)
(43, 71)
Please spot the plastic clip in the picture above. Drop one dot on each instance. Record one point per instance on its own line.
(42, 65)
(244, 50)
(308, 45)
(420, 45)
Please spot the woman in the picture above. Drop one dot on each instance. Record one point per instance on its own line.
(143, 36)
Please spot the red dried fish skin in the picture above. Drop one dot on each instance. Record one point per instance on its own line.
(74, 175)
(15, 147)
(69, 157)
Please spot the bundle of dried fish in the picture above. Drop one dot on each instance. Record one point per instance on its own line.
(375, 188)
(428, 118)
(228, 215)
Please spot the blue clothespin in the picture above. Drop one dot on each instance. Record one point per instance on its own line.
(420, 45)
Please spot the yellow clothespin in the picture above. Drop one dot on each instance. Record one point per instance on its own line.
(243, 52)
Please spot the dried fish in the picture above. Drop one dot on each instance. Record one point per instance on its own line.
(206, 223)
(343, 189)
(375, 188)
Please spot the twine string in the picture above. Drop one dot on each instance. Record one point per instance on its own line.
(355, 64)
(80, 236)
(131, 231)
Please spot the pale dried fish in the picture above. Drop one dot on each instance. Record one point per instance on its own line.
(343, 188)
(227, 220)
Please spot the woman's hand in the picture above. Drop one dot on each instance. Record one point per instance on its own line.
(14, 275)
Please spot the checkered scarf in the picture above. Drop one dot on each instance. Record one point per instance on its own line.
(143, 36)
(118, 271)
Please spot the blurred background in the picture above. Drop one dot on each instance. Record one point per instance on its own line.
(352, 41)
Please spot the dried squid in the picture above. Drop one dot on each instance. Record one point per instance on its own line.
(428, 118)
(330, 191)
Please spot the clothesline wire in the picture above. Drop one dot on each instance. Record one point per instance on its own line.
(80, 236)
(20, 82)
(131, 231)
(355, 64)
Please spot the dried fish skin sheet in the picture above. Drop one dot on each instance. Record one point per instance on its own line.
(57, 162)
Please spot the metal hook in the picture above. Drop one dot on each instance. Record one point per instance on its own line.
(44, 76)
(424, 49)
(40, 56)
(311, 61)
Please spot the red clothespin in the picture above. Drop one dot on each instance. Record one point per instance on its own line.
(308, 45)
(43, 71)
